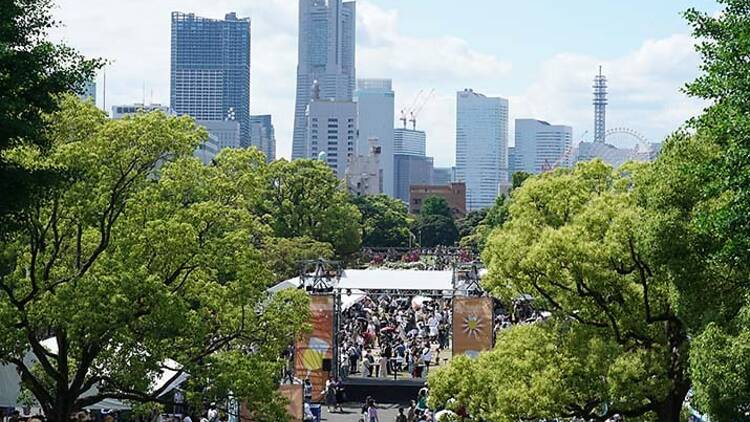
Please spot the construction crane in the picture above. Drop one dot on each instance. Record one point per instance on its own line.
(415, 112)
(405, 112)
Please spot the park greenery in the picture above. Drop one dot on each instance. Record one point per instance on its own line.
(644, 270)
(121, 255)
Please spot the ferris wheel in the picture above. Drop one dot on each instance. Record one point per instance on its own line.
(623, 137)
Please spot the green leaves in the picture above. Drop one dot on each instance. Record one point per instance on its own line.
(143, 257)
(577, 241)
(385, 221)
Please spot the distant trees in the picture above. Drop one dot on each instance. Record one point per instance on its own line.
(385, 221)
(435, 225)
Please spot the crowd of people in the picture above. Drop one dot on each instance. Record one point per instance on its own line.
(385, 336)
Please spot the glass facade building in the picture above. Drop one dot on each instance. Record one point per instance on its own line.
(481, 147)
(325, 59)
(210, 69)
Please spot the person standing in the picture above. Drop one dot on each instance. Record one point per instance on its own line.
(372, 412)
(401, 417)
(411, 415)
(330, 395)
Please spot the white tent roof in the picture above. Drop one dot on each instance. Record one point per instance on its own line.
(396, 280)
(360, 281)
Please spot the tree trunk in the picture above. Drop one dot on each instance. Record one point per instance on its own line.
(669, 410)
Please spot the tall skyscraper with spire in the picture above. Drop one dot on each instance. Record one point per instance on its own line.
(326, 55)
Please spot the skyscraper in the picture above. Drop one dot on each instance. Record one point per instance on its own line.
(262, 135)
(481, 146)
(409, 142)
(333, 131)
(375, 106)
(326, 55)
(541, 146)
(210, 76)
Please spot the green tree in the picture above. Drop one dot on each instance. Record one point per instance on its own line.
(284, 255)
(130, 267)
(518, 178)
(435, 205)
(33, 71)
(435, 230)
(699, 194)
(385, 221)
(304, 198)
(579, 241)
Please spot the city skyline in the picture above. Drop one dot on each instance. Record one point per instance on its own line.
(548, 78)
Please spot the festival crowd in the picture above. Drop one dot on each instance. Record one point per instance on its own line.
(384, 336)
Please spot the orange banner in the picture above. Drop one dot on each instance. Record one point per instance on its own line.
(317, 346)
(472, 325)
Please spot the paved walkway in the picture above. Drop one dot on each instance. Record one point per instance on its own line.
(387, 413)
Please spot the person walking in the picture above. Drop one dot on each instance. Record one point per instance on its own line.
(330, 395)
(401, 417)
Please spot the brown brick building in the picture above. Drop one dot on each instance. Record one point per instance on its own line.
(454, 194)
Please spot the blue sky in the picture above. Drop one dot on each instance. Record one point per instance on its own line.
(540, 54)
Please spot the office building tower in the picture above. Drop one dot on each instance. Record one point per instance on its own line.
(125, 110)
(364, 175)
(210, 69)
(262, 135)
(227, 132)
(442, 176)
(409, 142)
(541, 146)
(512, 162)
(375, 106)
(481, 146)
(326, 56)
(411, 170)
(332, 128)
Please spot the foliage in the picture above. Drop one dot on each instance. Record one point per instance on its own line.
(468, 225)
(577, 240)
(494, 217)
(435, 205)
(145, 258)
(518, 178)
(283, 255)
(304, 198)
(699, 195)
(435, 230)
(385, 221)
(33, 72)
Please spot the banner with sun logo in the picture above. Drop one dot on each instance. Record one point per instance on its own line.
(316, 346)
(472, 325)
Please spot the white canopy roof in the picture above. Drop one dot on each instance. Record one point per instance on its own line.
(397, 280)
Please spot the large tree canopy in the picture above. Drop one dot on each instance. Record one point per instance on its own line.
(304, 198)
(385, 221)
(131, 265)
(576, 240)
(33, 71)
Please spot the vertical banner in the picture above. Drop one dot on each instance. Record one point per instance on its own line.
(472, 325)
(317, 346)
(293, 393)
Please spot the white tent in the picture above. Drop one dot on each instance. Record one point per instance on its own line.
(10, 381)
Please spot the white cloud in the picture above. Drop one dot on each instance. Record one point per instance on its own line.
(644, 89)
